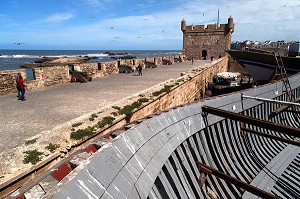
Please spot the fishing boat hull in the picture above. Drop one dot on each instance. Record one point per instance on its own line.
(261, 65)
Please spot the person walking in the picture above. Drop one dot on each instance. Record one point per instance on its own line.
(193, 60)
(17, 85)
(22, 86)
(140, 68)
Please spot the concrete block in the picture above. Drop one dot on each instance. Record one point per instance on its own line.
(78, 159)
(124, 148)
(84, 185)
(35, 192)
(48, 183)
(105, 164)
(122, 185)
(155, 124)
(146, 130)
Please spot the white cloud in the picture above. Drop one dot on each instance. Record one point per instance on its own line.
(58, 17)
(93, 2)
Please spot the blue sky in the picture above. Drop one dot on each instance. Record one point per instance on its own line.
(136, 24)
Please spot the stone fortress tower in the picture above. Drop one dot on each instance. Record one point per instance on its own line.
(203, 42)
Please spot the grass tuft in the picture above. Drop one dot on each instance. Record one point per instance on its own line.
(143, 100)
(116, 107)
(81, 133)
(32, 156)
(76, 124)
(52, 147)
(93, 116)
(30, 142)
(166, 89)
(128, 110)
(106, 121)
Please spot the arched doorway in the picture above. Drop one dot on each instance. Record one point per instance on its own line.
(204, 54)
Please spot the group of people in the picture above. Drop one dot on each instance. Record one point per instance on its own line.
(20, 87)
(139, 70)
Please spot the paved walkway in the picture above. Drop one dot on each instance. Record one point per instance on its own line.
(48, 107)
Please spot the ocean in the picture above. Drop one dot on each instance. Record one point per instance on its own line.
(13, 59)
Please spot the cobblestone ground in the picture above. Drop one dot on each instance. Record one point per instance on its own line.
(48, 107)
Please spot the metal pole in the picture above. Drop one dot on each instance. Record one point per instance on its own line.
(271, 136)
(288, 130)
(250, 188)
(271, 100)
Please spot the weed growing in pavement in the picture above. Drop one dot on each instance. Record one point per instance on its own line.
(93, 116)
(81, 133)
(180, 80)
(106, 121)
(30, 142)
(116, 107)
(115, 113)
(143, 100)
(127, 110)
(166, 89)
(32, 156)
(51, 147)
(76, 124)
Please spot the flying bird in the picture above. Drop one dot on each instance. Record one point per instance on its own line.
(116, 37)
(138, 37)
(19, 43)
(111, 27)
(163, 31)
(92, 17)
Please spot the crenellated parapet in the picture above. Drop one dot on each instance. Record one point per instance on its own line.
(229, 27)
(207, 28)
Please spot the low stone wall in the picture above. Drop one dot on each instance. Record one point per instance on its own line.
(56, 75)
(8, 80)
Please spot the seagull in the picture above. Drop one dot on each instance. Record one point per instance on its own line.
(111, 27)
(19, 43)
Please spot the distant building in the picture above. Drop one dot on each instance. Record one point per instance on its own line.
(205, 42)
(294, 49)
(279, 47)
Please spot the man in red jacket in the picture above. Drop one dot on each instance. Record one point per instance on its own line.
(22, 86)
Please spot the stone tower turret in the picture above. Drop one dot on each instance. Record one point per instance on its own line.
(203, 42)
(230, 24)
(183, 25)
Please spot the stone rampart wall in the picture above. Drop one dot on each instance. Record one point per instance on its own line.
(188, 92)
(56, 75)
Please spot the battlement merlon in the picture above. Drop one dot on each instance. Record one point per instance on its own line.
(209, 28)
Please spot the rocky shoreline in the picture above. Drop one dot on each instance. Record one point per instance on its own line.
(51, 61)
